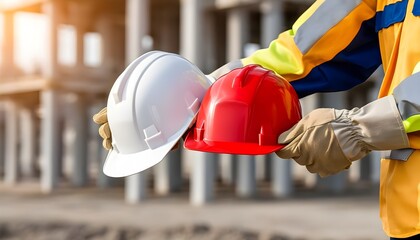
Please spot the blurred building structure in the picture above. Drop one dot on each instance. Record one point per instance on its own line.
(46, 131)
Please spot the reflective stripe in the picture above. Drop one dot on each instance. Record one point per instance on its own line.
(408, 99)
(324, 18)
(392, 13)
(412, 123)
(401, 154)
(416, 68)
(308, 13)
(416, 8)
(398, 154)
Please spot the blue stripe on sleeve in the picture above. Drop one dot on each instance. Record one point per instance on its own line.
(350, 67)
(416, 8)
(392, 13)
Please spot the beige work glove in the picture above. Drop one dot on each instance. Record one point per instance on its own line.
(104, 131)
(327, 141)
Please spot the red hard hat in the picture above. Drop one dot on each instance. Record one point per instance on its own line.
(244, 112)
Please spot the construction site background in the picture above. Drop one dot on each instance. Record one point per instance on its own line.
(58, 60)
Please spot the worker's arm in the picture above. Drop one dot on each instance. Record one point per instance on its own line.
(327, 141)
(333, 46)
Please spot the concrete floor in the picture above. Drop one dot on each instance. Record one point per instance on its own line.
(353, 215)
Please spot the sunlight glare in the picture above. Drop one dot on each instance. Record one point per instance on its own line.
(7, 3)
(30, 41)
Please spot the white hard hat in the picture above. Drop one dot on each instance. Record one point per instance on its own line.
(150, 106)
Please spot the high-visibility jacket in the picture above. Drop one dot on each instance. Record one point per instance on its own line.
(336, 45)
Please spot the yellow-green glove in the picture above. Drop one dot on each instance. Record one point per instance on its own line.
(104, 131)
(326, 141)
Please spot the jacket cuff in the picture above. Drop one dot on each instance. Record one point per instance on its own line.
(376, 126)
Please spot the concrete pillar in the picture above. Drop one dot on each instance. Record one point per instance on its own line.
(137, 27)
(136, 187)
(267, 168)
(237, 34)
(102, 180)
(2, 138)
(187, 161)
(28, 142)
(80, 34)
(7, 67)
(216, 169)
(113, 39)
(60, 145)
(375, 167)
(272, 22)
(51, 138)
(365, 168)
(78, 121)
(168, 29)
(212, 41)
(282, 179)
(228, 166)
(50, 125)
(261, 167)
(167, 174)
(202, 178)
(11, 166)
(192, 19)
(246, 185)
(104, 27)
(53, 11)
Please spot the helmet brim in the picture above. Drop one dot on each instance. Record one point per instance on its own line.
(124, 165)
(229, 147)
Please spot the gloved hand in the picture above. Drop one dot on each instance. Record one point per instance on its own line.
(326, 141)
(104, 131)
